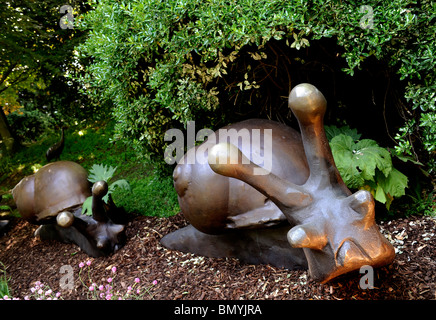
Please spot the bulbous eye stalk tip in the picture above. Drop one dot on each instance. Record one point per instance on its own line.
(307, 103)
(65, 219)
(100, 189)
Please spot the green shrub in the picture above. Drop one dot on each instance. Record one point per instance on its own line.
(29, 125)
(162, 63)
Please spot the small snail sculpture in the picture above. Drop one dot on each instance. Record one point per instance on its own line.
(53, 198)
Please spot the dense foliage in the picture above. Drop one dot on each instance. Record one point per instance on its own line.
(36, 55)
(162, 63)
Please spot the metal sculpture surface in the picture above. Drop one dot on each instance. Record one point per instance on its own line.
(53, 197)
(299, 214)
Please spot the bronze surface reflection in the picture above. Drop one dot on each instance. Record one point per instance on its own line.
(298, 214)
(53, 197)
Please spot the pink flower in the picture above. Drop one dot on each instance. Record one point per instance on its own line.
(109, 280)
(48, 292)
(58, 294)
(137, 280)
(91, 288)
(114, 269)
(154, 282)
(81, 265)
(101, 287)
(138, 291)
(88, 263)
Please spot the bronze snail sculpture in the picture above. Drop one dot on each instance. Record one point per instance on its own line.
(53, 197)
(299, 214)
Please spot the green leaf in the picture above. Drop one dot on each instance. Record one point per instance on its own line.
(342, 147)
(122, 183)
(87, 206)
(394, 184)
(357, 162)
(100, 172)
(333, 131)
(364, 164)
(370, 156)
(380, 194)
(5, 207)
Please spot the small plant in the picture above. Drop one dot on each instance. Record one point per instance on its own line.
(4, 288)
(421, 202)
(41, 291)
(5, 207)
(106, 290)
(363, 164)
(100, 172)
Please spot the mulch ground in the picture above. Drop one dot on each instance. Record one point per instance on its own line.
(186, 276)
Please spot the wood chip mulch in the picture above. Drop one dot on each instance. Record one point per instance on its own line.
(178, 275)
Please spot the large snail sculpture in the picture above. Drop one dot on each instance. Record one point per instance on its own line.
(297, 213)
(53, 198)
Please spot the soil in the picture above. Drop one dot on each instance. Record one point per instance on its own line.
(178, 275)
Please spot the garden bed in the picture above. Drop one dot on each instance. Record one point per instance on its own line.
(166, 274)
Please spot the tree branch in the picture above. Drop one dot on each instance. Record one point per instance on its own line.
(5, 75)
